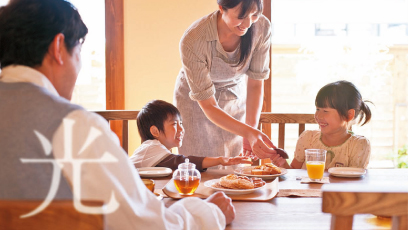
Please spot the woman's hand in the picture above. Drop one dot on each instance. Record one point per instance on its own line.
(261, 145)
(279, 161)
(225, 161)
(246, 149)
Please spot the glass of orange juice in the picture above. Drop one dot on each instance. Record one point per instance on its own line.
(315, 163)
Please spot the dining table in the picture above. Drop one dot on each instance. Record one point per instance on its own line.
(297, 205)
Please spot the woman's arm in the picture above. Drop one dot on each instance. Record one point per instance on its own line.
(254, 102)
(255, 91)
(259, 141)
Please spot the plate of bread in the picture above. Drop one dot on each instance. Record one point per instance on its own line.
(233, 184)
(266, 171)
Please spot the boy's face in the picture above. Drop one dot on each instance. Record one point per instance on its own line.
(173, 132)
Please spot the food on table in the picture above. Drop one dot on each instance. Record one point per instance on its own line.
(267, 169)
(233, 181)
(258, 182)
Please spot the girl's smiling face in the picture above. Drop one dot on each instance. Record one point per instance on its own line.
(173, 132)
(330, 121)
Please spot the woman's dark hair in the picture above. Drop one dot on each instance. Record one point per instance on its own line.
(246, 40)
(155, 113)
(343, 96)
(27, 28)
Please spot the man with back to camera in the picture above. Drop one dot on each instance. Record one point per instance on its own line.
(40, 44)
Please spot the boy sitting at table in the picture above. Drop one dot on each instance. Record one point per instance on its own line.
(160, 128)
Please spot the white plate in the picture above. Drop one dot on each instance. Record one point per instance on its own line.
(154, 171)
(246, 171)
(229, 191)
(347, 172)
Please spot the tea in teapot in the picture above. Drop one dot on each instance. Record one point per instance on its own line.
(186, 178)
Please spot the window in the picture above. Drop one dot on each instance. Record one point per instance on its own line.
(316, 42)
(89, 90)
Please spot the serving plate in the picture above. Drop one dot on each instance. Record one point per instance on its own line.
(209, 184)
(268, 192)
(246, 171)
(154, 171)
(346, 172)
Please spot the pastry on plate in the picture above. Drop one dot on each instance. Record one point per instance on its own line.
(267, 169)
(233, 181)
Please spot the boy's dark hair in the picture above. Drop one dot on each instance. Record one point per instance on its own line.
(155, 113)
(343, 96)
(27, 28)
(246, 40)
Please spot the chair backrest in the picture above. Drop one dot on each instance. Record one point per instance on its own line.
(385, 200)
(59, 214)
(266, 118)
(285, 118)
(124, 116)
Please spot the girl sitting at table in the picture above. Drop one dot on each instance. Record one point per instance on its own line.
(160, 128)
(338, 105)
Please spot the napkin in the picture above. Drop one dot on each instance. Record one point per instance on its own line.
(306, 180)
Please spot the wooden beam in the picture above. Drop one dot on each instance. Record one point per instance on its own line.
(267, 102)
(115, 59)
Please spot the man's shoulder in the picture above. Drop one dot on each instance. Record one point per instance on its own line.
(44, 98)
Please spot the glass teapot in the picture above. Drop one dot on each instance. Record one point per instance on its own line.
(186, 178)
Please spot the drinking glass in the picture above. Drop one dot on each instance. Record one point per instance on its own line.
(315, 163)
(149, 184)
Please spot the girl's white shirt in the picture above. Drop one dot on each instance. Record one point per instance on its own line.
(354, 152)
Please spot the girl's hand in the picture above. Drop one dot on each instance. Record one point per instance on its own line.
(225, 161)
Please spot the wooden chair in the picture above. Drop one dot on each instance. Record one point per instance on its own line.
(385, 200)
(266, 118)
(285, 118)
(60, 214)
(124, 116)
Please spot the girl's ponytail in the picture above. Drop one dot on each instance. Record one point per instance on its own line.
(365, 110)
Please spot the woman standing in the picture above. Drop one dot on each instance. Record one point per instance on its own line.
(219, 90)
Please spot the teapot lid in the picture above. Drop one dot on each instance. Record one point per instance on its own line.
(187, 165)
